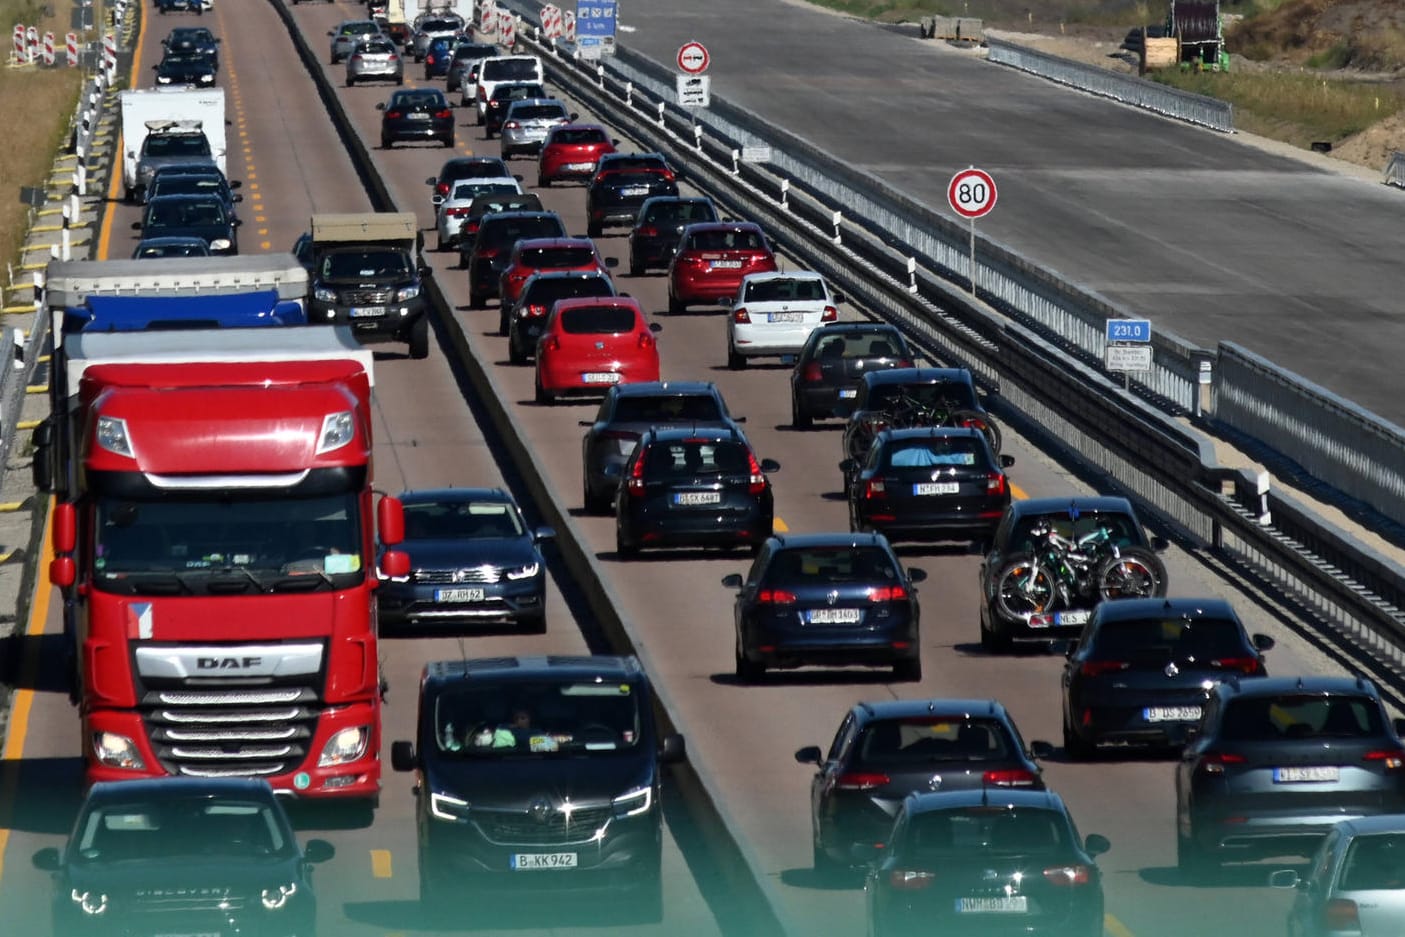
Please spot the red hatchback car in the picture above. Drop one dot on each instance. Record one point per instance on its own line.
(530, 255)
(711, 260)
(571, 152)
(593, 342)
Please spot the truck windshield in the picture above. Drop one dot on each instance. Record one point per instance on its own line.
(266, 544)
(366, 264)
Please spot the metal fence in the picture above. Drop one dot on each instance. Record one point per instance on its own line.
(1138, 92)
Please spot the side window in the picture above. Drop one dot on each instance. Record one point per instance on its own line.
(1324, 860)
(843, 739)
(758, 568)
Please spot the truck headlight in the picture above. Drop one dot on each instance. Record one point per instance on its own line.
(117, 751)
(112, 435)
(345, 747)
(90, 902)
(524, 572)
(219, 244)
(448, 808)
(337, 430)
(275, 898)
(324, 295)
(409, 292)
(634, 802)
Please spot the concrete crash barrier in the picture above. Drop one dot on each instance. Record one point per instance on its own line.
(952, 28)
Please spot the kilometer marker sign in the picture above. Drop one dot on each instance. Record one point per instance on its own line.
(971, 194)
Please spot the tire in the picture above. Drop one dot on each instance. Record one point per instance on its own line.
(435, 893)
(515, 355)
(908, 671)
(488, 132)
(824, 866)
(799, 419)
(592, 503)
(129, 194)
(439, 245)
(748, 671)
(994, 643)
(476, 300)
(449, 142)
(387, 143)
(635, 270)
(1135, 573)
(676, 307)
(419, 339)
(543, 182)
(350, 82)
(1076, 748)
(594, 229)
(981, 421)
(1194, 865)
(735, 362)
(532, 624)
(1024, 587)
(399, 79)
(623, 549)
(504, 326)
(543, 397)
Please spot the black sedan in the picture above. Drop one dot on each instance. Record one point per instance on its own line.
(416, 114)
(888, 749)
(193, 39)
(202, 216)
(186, 68)
(694, 487)
(986, 862)
(827, 599)
(929, 484)
(1141, 671)
(827, 374)
(614, 197)
(183, 855)
(472, 559)
(526, 318)
(465, 167)
(626, 413)
(659, 225)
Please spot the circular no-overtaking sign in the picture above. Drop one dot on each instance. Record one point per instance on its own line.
(693, 58)
(971, 193)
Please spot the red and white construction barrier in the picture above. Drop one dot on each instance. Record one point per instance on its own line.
(109, 52)
(31, 38)
(20, 44)
(488, 19)
(507, 28)
(568, 26)
(48, 48)
(552, 26)
(71, 41)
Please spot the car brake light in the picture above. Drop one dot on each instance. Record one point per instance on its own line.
(775, 597)
(874, 488)
(457, 211)
(860, 781)
(995, 483)
(392, 57)
(1066, 876)
(910, 879)
(534, 311)
(1010, 777)
(813, 372)
(887, 594)
(648, 231)
(511, 125)
(1214, 762)
(635, 485)
(1096, 668)
(1391, 759)
(443, 115)
(830, 314)
(646, 340)
(904, 363)
(1247, 665)
(441, 188)
(551, 343)
(757, 483)
(1339, 914)
(481, 95)
(974, 423)
(488, 252)
(741, 316)
(394, 115)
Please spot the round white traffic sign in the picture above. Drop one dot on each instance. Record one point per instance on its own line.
(971, 193)
(693, 58)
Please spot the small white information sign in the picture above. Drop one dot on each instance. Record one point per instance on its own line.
(694, 90)
(1128, 357)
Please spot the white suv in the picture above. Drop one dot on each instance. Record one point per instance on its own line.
(500, 68)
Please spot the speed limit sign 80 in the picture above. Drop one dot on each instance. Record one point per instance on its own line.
(971, 193)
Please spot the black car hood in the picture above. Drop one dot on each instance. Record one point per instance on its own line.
(185, 73)
(515, 781)
(453, 554)
(207, 233)
(129, 878)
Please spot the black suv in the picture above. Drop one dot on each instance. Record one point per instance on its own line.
(888, 749)
(486, 254)
(626, 413)
(694, 487)
(827, 374)
(1277, 761)
(621, 185)
(1141, 671)
(1052, 560)
(660, 224)
(538, 772)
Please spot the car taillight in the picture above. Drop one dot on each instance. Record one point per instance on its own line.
(1068, 876)
(874, 488)
(887, 594)
(1010, 777)
(1214, 762)
(741, 316)
(441, 188)
(904, 363)
(488, 252)
(830, 314)
(392, 57)
(1392, 759)
(481, 95)
(457, 211)
(1339, 914)
(394, 115)
(910, 879)
(1096, 668)
(356, 57)
(757, 483)
(812, 372)
(646, 340)
(995, 483)
(470, 227)
(534, 311)
(511, 125)
(1246, 665)
(647, 231)
(860, 781)
(635, 483)
(551, 343)
(444, 114)
(775, 597)
(973, 423)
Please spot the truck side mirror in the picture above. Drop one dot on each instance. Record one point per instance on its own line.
(63, 572)
(390, 519)
(395, 564)
(65, 528)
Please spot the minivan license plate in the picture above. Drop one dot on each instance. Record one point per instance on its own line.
(698, 497)
(833, 616)
(1171, 713)
(936, 488)
(1305, 773)
(532, 861)
(1003, 904)
(458, 595)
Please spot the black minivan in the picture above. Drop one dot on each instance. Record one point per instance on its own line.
(538, 772)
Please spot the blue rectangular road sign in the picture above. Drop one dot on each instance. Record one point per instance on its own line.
(595, 19)
(1129, 330)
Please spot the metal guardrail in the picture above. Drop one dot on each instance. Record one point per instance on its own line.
(1395, 170)
(1138, 92)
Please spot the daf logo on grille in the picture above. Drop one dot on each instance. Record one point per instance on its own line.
(540, 810)
(227, 663)
(934, 782)
(832, 596)
(1172, 669)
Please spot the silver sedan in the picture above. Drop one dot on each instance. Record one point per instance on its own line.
(450, 215)
(347, 35)
(527, 122)
(375, 59)
(1355, 883)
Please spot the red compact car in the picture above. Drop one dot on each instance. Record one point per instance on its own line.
(530, 255)
(593, 342)
(571, 152)
(711, 260)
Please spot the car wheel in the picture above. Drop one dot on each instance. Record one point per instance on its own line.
(821, 861)
(645, 904)
(419, 339)
(735, 362)
(476, 300)
(515, 355)
(908, 671)
(386, 143)
(593, 503)
(593, 229)
(532, 624)
(748, 671)
(623, 548)
(435, 893)
(799, 419)
(1076, 748)
(449, 142)
(350, 82)
(993, 643)
(676, 307)
(439, 244)
(399, 79)
(1195, 865)
(488, 132)
(543, 396)
(504, 326)
(543, 182)
(635, 269)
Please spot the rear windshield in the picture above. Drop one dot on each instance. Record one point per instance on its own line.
(177, 144)
(185, 214)
(441, 26)
(476, 169)
(1203, 639)
(772, 291)
(859, 345)
(1270, 718)
(1375, 863)
(376, 47)
(632, 177)
(464, 520)
(693, 458)
(418, 99)
(745, 240)
(916, 741)
(546, 292)
(938, 451)
(537, 111)
(473, 188)
(667, 408)
(1015, 831)
(598, 320)
(359, 29)
(518, 92)
(830, 564)
(546, 257)
(943, 395)
(462, 52)
(186, 185)
(516, 230)
(522, 203)
(680, 211)
(365, 265)
(510, 69)
(579, 135)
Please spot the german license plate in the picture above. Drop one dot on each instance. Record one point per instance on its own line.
(634, 191)
(417, 115)
(458, 595)
(698, 497)
(1003, 904)
(366, 312)
(578, 167)
(1072, 618)
(534, 861)
(1171, 713)
(726, 265)
(848, 393)
(600, 377)
(833, 616)
(935, 488)
(1306, 773)
(785, 317)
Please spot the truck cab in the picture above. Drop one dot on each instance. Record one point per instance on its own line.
(365, 272)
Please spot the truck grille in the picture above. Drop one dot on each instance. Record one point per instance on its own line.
(520, 828)
(231, 731)
(487, 574)
(366, 297)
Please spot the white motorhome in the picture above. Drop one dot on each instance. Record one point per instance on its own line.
(145, 109)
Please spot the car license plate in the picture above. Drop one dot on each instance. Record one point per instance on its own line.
(1003, 904)
(785, 317)
(578, 167)
(698, 497)
(1171, 713)
(458, 595)
(600, 377)
(936, 488)
(1309, 773)
(532, 861)
(417, 115)
(634, 191)
(848, 393)
(726, 265)
(1072, 618)
(833, 616)
(366, 312)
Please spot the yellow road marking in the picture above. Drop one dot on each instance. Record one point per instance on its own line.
(1115, 928)
(779, 525)
(380, 863)
(1019, 493)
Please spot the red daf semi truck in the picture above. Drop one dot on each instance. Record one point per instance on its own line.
(217, 555)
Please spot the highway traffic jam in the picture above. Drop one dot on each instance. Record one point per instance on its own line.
(292, 572)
